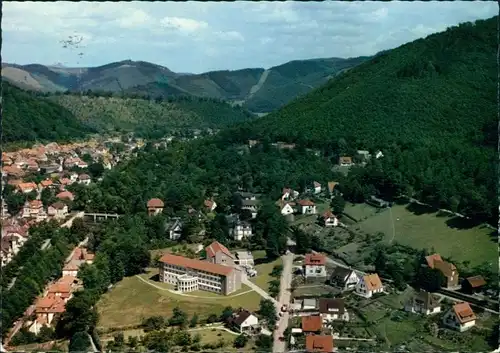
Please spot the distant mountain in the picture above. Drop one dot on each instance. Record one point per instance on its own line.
(256, 89)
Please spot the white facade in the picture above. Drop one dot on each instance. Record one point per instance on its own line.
(450, 320)
(308, 209)
(58, 213)
(186, 283)
(242, 230)
(363, 291)
(175, 231)
(331, 222)
(333, 314)
(286, 210)
(251, 321)
(315, 270)
(419, 309)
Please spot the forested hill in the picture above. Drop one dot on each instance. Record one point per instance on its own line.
(150, 118)
(27, 117)
(430, 103)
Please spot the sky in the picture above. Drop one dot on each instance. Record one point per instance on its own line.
(195, 37)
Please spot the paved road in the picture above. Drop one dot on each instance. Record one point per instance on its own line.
(259, 290)
(285, 297)
(69, 222)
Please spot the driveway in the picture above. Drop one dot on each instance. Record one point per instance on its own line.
(285, 296)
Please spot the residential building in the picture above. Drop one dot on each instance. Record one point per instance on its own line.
(312, 324)
(248, 195)
(423, 303)
(287, 208)
(84, 179)
(379, 154)
(328, 219)
(473, 284)
(58, 210)
(317, 187)
(241, 230)
(244, 258)
(31, 208)
(319, 344)
(5, 210)
(289, 194)
(78, 258)
(309, 304)
(331, 186)
(448, 269)
(315, 266)
(345, 161)
(210, 205)
(368, 285)
(365, 155)
(460, 317)
(250, 205)
(190, 275)
(333, 309)
(219, 254)
(244, 321)
(174, 228)
(65, 195)
(26, 188)
(155, 206)
(46, 309)
(47, 183)
(307, 207)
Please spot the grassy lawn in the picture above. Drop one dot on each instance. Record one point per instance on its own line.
(428, 230)
(360, 211)
(263, 270)
(131, 300)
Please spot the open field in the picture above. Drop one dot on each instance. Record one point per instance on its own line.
(131, 300)
(360, 211)
(427, 230)
(263, 270)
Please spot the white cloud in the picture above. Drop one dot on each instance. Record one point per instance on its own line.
(137, 18)
(184, 25)
(230, 36)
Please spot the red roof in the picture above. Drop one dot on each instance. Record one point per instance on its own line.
(305, 203)
(328, 214)
(209, 203)
(315, 259)
(320, 344)
(312, 323)
(36, 204)
(215, 247)
(155, 203)
(196, 264)
(65, 195)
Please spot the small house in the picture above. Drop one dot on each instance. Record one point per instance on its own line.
(26, 188)
(287, 208)
(423, 303)
(174, 228)
(244, 321)
(289, 194)
(250, 205)
(368, 285)
(345, 161)
(241, 230)
(460, 317)
(307, 207)
(58, 210)
(244, 258)
(84, 179)
(333, 309)
(319, 344)
(473, 284)
(315, 266)
(328, 219)
(65, 195)
(317, 187)
(344, 278)
(332, 186)
(155, 206)
(210, 205)
(309, 304)
(312, 324)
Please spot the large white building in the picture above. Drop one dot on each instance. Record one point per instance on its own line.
(189, 275)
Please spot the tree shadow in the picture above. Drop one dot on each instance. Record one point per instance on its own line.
(262, 260)
(494, 236)
(155, 278)
(462, 223)
(419, 210)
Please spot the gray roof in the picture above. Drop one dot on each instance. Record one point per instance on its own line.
(250, 202)
(309, 302)
(244, 255)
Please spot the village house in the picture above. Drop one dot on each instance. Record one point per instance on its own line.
(331, 187)
(316, 187)
(345, 161)
(333, 309)
(289, 194)
(65, 195)
(247, 195)
(210, 205)
(244, 258)
(244, 321)
(379, 154)
(344, 278)
(286, 208)
(368, 285)
(41, 216)
(219, 254)
(155, 206)
(58, 210)
(423, 303)
(473, 284)
(6, 250)
(84, 179)
(190, 275)
(315, 266)
(46, 309)
(328, 219)
(26, 188)
(251, 205)
(447, 269)
(364, 155)
(174, 228)
(312, 324)
(79, 257)
(307, 207)
(47, 183)
(319, 344)
(460, 317)
(5, 210)
(241, 230)
(31, 208)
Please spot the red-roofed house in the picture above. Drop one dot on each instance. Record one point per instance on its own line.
(315, 265)
(65, 195)
(312, 324)
(26, 188)
(219, 254)
(329, 220)
(155, 206)
(319, 344)
(210, 205)
(32, 208)
(84, 179)
(58, 210)
(448, 269)
(460, 317)
(307, 207)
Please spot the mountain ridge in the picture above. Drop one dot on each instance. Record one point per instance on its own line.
(285, 81)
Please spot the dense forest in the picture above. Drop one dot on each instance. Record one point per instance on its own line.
(27, 117)
(149, 116)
